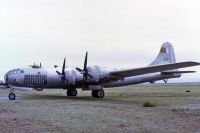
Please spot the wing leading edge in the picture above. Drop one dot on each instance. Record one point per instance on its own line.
(152, 69)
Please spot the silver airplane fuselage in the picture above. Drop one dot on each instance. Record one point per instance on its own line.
(40, 78)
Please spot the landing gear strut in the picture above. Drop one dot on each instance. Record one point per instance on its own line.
(12, 95)
(72, 92)
(165, 80)
(98, 93)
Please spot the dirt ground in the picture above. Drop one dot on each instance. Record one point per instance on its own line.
(175, 111)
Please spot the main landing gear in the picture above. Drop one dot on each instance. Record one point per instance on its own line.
(95, 93)
(12, 95)
(72, 92)
(98, 93)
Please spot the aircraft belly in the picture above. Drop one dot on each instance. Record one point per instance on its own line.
(139, 79)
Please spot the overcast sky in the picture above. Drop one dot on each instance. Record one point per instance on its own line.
(116, 33)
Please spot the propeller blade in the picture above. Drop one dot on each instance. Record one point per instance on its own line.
(90, 75)
(78, 69)
(85, 62)
(40, 65)
(59, 73)
(63, 68)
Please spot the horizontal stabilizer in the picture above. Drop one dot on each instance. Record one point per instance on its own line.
(152, 69)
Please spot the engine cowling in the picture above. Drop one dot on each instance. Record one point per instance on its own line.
(71, 77)
(95, 72)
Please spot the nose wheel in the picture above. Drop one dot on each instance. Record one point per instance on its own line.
(12, 96)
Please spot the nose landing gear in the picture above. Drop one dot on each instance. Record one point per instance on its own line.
(12, 95)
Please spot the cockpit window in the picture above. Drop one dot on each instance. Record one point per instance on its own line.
(15, 71)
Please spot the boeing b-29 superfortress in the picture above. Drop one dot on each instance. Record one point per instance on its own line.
(95, 78)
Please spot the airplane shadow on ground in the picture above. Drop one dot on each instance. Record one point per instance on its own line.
(106, 99)
(60, 97)
(119, 98)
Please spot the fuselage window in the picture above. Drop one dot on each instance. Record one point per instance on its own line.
(14, 71)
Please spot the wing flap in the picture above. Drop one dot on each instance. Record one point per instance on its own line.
(152, 69)
(177, 72)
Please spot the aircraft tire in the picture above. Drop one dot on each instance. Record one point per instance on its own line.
(94, 93)
(12, 96)
(72, 92)
(98, 93)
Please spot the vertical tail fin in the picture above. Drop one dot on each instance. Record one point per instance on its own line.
(166, 55)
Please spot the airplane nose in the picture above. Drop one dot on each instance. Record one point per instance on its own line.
(6, 78)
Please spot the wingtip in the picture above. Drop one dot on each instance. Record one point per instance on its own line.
(194, 63)
(198, 63)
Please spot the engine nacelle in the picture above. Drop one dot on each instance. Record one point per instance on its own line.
(98, 72)
(95, 72)
(71, 77)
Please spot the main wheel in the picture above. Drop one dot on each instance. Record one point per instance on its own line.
(98, 93)
(12, 96)
(94, 93)
(72, 92)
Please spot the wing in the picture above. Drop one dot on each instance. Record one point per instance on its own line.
(152, 69)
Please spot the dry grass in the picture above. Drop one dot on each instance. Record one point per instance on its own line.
(120, 111)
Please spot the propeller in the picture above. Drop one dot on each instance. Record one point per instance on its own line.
(84, 71)
(62, 74)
